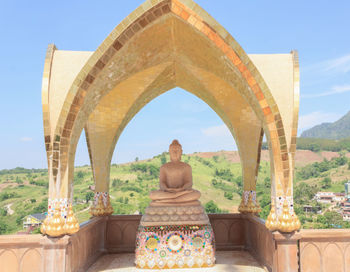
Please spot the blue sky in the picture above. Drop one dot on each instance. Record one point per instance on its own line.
(319, 30)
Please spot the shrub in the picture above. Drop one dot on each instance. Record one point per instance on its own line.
(228, 195)
(211, 207)
(3, 212)
(162, 160)
(3, 227)
(131, 188)
(225, 174)
(80, 174)
(116, 182)
(89, 196)
(326, 183)
(7, 195)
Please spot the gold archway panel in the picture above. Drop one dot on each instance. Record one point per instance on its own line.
(161, 45)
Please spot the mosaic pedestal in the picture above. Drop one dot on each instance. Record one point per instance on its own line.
(175, 246)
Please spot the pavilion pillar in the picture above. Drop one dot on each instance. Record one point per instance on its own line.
(250, 147)
(60, 219)
(249, 202)
(101, 205)
(100, 152)
(282, 216)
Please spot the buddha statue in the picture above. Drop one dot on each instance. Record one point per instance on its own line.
(175, 181)
(175, 202)
(175, 231)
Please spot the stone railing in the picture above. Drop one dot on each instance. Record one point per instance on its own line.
(121, 233)
(21, 253)
(259, 241)
(228, 230)
(39, 253)
(307, 250)
(325, 250)
(86, 245)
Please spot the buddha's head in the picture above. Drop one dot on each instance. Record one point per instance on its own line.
(175, 151)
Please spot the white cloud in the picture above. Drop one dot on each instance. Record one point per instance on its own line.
(334, 90)
(26, 139)
(341, 64)
(217, 131)
(315, 118)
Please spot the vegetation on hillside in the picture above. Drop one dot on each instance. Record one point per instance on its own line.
(317, 144)
(24, 191)
(329, 175)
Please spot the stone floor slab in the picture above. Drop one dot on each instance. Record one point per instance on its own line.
(230, 261)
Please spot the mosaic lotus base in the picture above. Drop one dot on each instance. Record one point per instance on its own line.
(165, 247)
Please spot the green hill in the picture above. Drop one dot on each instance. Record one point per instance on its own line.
(24, 191)
(337, 130)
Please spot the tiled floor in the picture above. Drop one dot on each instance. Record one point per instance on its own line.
(229, 261)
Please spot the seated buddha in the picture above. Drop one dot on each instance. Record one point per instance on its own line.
(175, 202)
(175, 181)
(174, 230)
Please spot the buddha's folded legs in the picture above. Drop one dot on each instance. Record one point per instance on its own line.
(172, 203)
(183, 196)
(160, 195)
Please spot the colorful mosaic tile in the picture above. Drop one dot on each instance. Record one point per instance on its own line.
(187, 246)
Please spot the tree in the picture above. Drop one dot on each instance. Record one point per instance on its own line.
(267, 182)
(136, 159)
(315, 147)
(349, 165)
(18, 180)
(3, 227)
(89, 196)
(163, 159)
(80, 174)
(42, 207)
(19, 219)
(333, 219)
(303, 193)
(211, 207)
(228, 195)
(153, 171)
(326, 183)
(3, 212)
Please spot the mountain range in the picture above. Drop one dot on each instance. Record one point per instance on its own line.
(338, 130)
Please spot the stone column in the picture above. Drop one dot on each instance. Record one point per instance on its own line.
(286, 252)
(55, 257)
